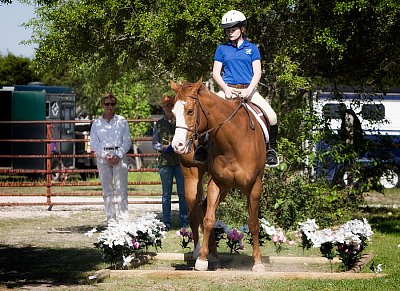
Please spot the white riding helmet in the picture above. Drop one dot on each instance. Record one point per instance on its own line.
(233, 18)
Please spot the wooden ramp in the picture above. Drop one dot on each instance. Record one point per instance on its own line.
(239, 261)
(164, 274)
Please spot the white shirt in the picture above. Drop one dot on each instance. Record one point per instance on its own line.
(115, 133)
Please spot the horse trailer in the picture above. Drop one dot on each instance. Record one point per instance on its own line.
(378, 114)
(30, 103)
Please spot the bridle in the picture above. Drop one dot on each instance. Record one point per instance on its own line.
(196, 135)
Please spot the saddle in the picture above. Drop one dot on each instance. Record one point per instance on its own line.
(261, 117)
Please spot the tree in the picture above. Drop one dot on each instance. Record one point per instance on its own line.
(303, 42)
(100, 41)
(154, 37)
(15, 70)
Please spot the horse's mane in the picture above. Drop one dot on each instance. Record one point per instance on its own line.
(204, 90)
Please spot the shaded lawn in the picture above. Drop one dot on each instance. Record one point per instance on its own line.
(33, 266)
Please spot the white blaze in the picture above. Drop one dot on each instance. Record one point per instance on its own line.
(179, 141)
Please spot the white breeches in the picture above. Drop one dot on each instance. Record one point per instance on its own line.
(114, 182)
(257, 99)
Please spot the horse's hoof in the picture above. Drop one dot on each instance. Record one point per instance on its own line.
(201, 265)
(258, 268)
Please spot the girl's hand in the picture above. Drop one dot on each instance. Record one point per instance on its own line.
(246, 93)
(229, 93)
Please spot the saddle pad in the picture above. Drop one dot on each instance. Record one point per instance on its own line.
(260, 119)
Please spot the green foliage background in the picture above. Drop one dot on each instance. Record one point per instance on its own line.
(303, 43)
(15, 70)
(135, 47)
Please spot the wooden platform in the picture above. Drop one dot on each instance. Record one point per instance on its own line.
(237, 274)
(239, 260)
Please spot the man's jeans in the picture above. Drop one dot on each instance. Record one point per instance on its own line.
(167, 174)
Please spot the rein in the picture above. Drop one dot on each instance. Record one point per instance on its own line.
(241, 104)
(196, 134)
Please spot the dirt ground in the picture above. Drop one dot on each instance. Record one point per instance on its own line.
(377, 199)
(65, 210)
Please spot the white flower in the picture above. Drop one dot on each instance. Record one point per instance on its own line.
(129, 235)
(379, 268)
(221, 224)
(127, 260)
(109, 241)
(91, 232)
(352, 232)
(268, 228)
(308, 226)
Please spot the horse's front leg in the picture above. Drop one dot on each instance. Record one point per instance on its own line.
(213, 199)
(253, 203)
(193, 195)
(213, 258)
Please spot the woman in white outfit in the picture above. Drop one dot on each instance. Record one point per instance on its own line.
(110, 139)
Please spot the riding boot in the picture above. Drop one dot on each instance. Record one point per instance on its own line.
(200, 153)
(272, 155)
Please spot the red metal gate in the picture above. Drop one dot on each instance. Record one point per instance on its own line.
(47, 173)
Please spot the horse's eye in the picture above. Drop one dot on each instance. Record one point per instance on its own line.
(190, 112)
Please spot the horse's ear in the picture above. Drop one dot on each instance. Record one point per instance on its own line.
(174, 86)
(197, 85)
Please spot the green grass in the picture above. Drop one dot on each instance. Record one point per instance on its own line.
(53, 250)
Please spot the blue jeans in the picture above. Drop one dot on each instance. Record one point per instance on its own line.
(167, 175)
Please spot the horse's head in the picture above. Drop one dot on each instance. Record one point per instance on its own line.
(187, 114)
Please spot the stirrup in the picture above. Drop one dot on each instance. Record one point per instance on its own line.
(275, 159)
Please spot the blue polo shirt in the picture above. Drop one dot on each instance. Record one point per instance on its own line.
(237, 61)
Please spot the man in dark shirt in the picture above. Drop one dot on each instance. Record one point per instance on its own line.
(168, 163)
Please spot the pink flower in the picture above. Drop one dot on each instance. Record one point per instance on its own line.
(281, 237)
(136, 245)
(291, 242)
(274, 238)
(178, 233)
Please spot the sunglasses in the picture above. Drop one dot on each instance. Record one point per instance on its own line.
(109, 104)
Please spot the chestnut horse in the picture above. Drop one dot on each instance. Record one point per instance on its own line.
(236, 156)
